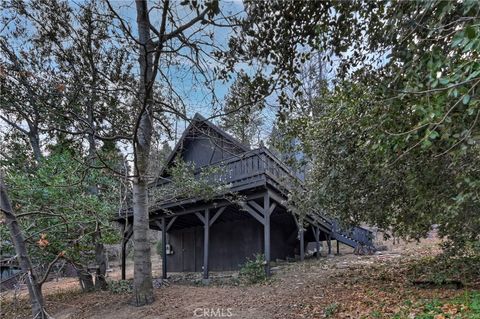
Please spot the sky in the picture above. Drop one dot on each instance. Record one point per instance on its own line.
(193, 93)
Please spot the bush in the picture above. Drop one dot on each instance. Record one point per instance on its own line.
(330, 310)
(159, 248)
(253, 271)
(120, 286)
(444, 269)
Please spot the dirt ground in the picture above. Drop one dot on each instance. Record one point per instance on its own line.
(345, 286)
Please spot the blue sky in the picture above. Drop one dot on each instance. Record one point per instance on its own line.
(193, 93)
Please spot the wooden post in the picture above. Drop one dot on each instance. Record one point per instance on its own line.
(266, 232)
(302, 243)
(164, 248)
(317, 240)
(127, 232)
(206, 228)
(329, 243)
(124, 257)
(338, 247)
(123, 251)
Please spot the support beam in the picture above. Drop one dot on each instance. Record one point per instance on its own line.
(127, 233)
(302, 243)
(200, 217)
(275, 197)
(272, 208)
(170, 223)
(217, 214)
(168, 226)
(329, 243)
(338, 247)
(252, 212)
(164, 248)
(254, 204)
(217, 204)
(316, 233)
(266, 232)
(124, 254)
(206, 239)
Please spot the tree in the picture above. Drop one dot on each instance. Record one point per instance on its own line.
(396, 138)
(33, 284)
(243, 110)
(176, 40)
(65, 73)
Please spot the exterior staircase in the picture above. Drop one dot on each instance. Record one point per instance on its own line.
(356, 237)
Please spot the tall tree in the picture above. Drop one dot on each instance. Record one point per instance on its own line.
(33, 284)
(179, 39)
(243, 110)
(401, 125)
(65, 72)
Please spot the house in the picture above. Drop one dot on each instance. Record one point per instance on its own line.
(217, 234)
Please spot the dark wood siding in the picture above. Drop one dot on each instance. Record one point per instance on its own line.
(207, 147)
(231, 243)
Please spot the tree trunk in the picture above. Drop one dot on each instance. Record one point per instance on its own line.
(34, 289)
(101, 261)
(35, 144)
(142, 272)
(143, 286)
(85, 278)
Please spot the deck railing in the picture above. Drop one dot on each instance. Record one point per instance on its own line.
(245, 168)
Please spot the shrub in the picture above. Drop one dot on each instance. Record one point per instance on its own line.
(253, 271)
(331, 309)
(159, 248)
(120, 286)
(444, 269)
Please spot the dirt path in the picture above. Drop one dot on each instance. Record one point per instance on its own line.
(345, 286)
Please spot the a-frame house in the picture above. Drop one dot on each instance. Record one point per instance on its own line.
(200, 235)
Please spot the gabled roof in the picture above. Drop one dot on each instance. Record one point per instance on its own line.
(199, 119)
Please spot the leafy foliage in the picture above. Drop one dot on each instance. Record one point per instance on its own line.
(395, 139)
(120, 286)
(243, 106)
(330, 309)
(441, 270)
(56, 211)
(466, 306)
(253, 271)
(185, 181)
(159, 247)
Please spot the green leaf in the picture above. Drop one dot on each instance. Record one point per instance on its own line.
(473, 75)
(433, 135)
(470, 32)
(426, 144)
(457, 39)
(466, 99)
(444, 81)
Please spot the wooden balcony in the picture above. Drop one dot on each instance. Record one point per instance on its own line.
(249, 170)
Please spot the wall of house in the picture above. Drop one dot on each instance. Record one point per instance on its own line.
(231, 243)
(204, 149)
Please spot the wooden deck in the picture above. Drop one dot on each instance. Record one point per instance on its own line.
(238, 174)
(263, 181)
(247, 168)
